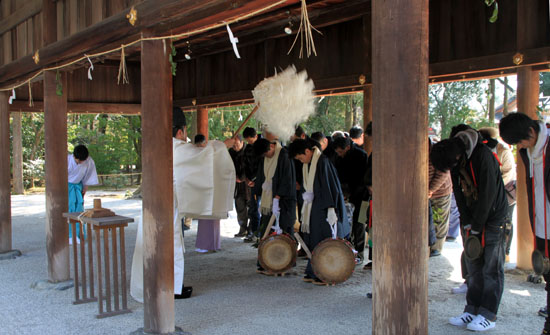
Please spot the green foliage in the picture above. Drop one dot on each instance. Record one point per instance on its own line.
(449, 105)
(173, 53)
(494, 16)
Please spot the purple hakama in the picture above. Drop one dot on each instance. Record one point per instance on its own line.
(208, 235)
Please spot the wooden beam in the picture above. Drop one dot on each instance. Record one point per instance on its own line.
(80, 107)
(55, 138)
(400, 69)
(30, 9)
(17, 155)
(5, 189)
(488, 64)
(202, 121)
(158, 206)
(164, 15)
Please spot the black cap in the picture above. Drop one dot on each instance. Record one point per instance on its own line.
(178, 118)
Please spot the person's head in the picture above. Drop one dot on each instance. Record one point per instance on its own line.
(250, 135)
(80, 153)
(341, 146)
(321, 138)
(490, 136)
(519, 129)
(200, 140)
(458, 128)
(299, 133)
(238, 144)
(336, 134)
(446, 154)
(179, 124)
(356, 135)
(264, 148)
(302, 150)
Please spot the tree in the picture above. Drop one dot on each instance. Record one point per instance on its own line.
(449, 105)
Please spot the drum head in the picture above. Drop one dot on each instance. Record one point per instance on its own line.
(333, 260)
(277, 253)
(472, 248)
(541, 265)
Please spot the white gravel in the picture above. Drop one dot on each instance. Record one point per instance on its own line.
(229, 297)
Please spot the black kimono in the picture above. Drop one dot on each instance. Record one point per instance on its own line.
(327, 193)
(284, 186)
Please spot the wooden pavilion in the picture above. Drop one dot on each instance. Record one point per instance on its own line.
(389, 49)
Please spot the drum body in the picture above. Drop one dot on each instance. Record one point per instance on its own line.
(541, 264)
(333, 260)
(473, 248)
(277, 253)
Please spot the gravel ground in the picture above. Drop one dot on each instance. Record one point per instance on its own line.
(229, 297)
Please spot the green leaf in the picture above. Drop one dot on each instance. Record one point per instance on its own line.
(489, 2)
(494, 17)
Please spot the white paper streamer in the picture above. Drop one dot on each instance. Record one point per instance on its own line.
(233, 41)
(284, 100)
(90, 69)
(10, 100)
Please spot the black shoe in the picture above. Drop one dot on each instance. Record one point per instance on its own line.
(545, 332)
(543, 311)
(241, 233)
(435, 253)
(301, 253)
(368, 266)
(450, 239)
(369, 295)
(319, 282)
(186, 292)
(249, 238)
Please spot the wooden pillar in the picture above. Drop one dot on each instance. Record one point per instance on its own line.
(367, 116)
(55, 138)
(400, 69)
(528, 99)
(17, 154)
(158, 206)
(5, 189)
(202, 121)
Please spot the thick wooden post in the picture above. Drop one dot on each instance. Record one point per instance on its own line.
(55, 138)
(400, 69)
(528, 99)
(17, 155)
(158, 206)
(202, 121)
(5, 189)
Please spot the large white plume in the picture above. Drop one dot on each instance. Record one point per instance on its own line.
(284, 100)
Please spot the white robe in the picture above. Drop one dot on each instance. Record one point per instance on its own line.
(84, 172)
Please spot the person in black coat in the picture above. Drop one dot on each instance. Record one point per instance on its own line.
(481, 200)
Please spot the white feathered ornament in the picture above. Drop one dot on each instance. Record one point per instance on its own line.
(284, 100)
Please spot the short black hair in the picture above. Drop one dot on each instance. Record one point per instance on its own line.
(355, 132)
(444, 154)
(515, 127)
(368, 131)
(261, 146)
(318, 136)
(458, 128)
(200, 138)
(299, 131)
(178, 120)
(341, 143)
(488, 138)
(80, 152)
(249, 132)
(299, 146)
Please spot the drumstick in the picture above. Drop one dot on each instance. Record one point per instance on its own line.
(303, 244)
(269, 225)
(245, 121)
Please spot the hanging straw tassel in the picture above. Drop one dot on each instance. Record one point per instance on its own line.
(305, 34)
(122, 68)
(31, 104)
